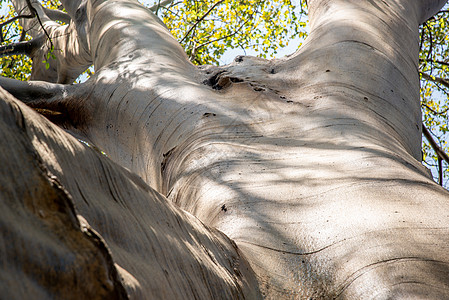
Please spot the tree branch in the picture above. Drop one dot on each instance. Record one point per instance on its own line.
(57, 15)
(27, 47)
(421, 39)
(440, 152)
(434, 61)
(219, 39)
(33, 91)
(200, 19)
(435, 79)
(22, 35)
(34, 11)
(12, 20)
(436, 112)
(67, 46)
(72, 6)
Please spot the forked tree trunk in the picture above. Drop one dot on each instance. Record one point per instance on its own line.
(311, 165)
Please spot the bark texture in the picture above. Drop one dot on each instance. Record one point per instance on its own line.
(309, 164)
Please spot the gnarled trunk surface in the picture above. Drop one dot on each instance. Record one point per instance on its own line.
(309, 165)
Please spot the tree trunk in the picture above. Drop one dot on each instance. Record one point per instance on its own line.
(308, 166)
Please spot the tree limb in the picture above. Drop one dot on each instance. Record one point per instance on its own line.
(26, 47)
(33, 91)
(22, 35)
(57, 102)
(12, 20)
(68, 45)
(50, 219)
(36, 14)
(435, 79)
(221, 38)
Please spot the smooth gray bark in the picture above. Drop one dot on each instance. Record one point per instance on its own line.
(310, 164)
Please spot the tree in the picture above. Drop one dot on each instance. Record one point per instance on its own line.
(291, 178)
(434, 89)
(208, 29)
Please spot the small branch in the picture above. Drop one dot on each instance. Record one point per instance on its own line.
(26, 47)
(200, 19)
(218, 39)
(421, 40)
(435, 61)
(34, 11)
(60, 103)
(34, 91)
(435, 79)
(436, 112)
(440, 152)
(440, 171)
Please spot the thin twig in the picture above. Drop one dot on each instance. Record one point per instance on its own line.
(221, 38)
(431, 41)
(434, 111)
(156, 7)
(200, 19)
(12, 20)
(440, 80)
(34, 11)
(440, 152)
